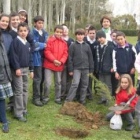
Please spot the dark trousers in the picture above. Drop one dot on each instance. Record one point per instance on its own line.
(114, 83)
(38, 82)
(3, 111)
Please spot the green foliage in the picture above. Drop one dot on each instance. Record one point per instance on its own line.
(124, 22)
(130, 32)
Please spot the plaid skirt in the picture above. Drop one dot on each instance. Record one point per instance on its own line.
(5, 91)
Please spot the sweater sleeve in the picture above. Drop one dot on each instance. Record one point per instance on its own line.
(13, 57)
(137, 63)
(70, 59)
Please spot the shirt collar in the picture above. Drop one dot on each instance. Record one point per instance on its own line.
(22, 40)
(39, 31)
(14, 29)
(91, 41)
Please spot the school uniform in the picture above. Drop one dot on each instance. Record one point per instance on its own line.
(20, 57)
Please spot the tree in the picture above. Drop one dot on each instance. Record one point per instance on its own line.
(7, 6)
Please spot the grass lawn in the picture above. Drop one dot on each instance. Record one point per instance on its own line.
(43, 120)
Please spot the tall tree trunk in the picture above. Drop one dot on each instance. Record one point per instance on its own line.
(45, 14)
(63, 11)
(7, 6)
(73, 15)
(20, 4)
(40, 7)
(13, 6)
(30, 13)
(50, 15)
(57, 12)
(89, 8)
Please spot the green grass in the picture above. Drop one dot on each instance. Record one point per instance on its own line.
(43, 120)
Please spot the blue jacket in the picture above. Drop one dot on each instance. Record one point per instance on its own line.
(39, 47)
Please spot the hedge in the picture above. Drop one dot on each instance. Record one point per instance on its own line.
(130, 32)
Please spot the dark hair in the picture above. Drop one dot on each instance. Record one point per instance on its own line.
(91, 28)
(119, 33)
(14, 14)
(105, 17)
(114, 31)
(24, 24)
(6, 15)
(38, 18)
(80, 31)
(58, 27)
(23, 12)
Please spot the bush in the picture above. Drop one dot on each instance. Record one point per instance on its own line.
(130, 32)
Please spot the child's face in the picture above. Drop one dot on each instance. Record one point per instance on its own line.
(39, 25)
(65, 32)
(121, 40)
(102, 40)
(58, 33)
(23, 32)
(113, 36)
(124, 83)
(22, 17)
(15, 21)
(106, 23)
(92, 34)
(80, 37)
(4, 22)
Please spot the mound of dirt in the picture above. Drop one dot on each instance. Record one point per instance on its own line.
(82, 115)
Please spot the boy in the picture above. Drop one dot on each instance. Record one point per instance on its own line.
(55, 57)
(14, 21)
(40, 37)
(66, 78)
(103, 60)
(80, 65)
(106, 26)
(91, 41)
(124, 57)
(20, 60)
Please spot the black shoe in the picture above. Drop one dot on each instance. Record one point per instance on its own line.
(37, 103)
(10, 108)
(22, 119)
(5, 128)
(90, 97)
(130, 127)
(136, 136)
(58, 102)
(105, 102)
(44, 102)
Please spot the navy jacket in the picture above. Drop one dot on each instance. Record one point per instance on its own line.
(124, 58)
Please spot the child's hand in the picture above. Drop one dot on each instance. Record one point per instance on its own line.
(118, 112)
(132, 71)
(18, 72)
(71, 73)
(31, 75)
(57, 63)
(111, 70)
(117, 76)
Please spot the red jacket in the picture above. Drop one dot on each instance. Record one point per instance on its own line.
(56, 49)
(122, 96)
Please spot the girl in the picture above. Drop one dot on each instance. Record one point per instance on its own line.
(124, 92)
(5, 85)
(23, 16)
(5, 28)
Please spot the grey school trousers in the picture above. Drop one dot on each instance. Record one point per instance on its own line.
(20, 89)
(106, 79)
(47, 84)
(82, 77)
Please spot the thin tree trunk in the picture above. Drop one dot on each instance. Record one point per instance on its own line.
(20, 4)
(45, 14)
(73, 15)
(7, 6)
(29, 13)
(40, 7)
(50, 15)
(89, 8)
(63, 12)
(57, 12)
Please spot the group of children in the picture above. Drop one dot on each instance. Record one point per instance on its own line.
(104, 53)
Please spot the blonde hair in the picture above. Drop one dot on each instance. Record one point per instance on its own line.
(130, 86)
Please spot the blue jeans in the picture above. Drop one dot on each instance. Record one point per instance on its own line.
(3, 111)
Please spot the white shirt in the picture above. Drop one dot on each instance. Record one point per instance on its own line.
(22, 40)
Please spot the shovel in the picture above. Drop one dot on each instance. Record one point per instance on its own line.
(123, 107)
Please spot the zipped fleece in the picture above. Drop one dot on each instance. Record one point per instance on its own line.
(80, 57)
